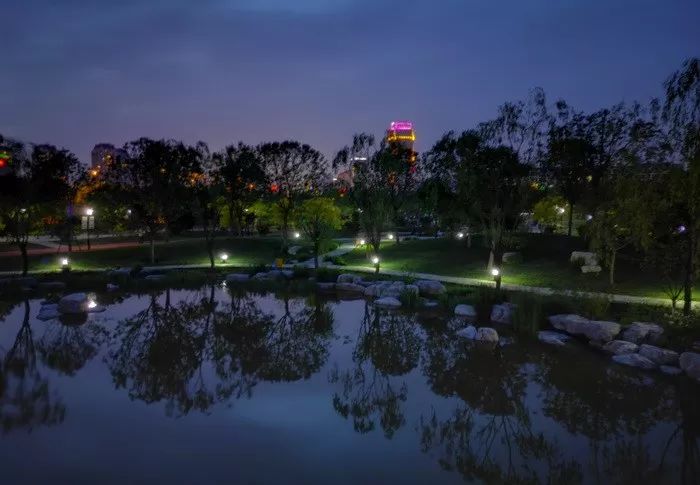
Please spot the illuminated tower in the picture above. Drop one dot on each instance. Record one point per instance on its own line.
(401, 134)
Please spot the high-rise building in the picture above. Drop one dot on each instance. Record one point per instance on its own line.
(402, 135)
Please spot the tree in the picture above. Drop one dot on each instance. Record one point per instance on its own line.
(238, 169)
(317, 218)
(293, 170)
(548, 211)
(682, 115)
(34, 192)
(154, 181)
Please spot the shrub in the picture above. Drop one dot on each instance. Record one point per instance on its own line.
(258, 268)
(336, 260)
(596, 308)
(326, 275)
(409, 299)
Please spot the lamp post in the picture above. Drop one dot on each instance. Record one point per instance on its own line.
(375, 262)
(496, 273)
(90, 221)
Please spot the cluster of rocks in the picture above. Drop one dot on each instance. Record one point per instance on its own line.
(636, 345)
(481, 334)
(71, 304)
(271, 275)
(500, 313)
(589, 261)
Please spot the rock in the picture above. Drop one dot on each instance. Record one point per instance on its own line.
(48, 312)
(52, 285)
(430, 287)
(350, 287)
(696, 346)
(430, 304)
(634, 360)
(388, 302)
(349, 278)
(502, 313)
(120, 272)
(593, 330)
(670, 370)
(111, 287)
(658, 355)
(411, 289)
(466, 311)
(619, 347)
(293, 250)
(690, 363)
(592, 268)
(73, 303)
(638, 332)
(553, 338)
(597, 344)
(287, 273)
(468, 332)
(237, 277)
(512, 257)
(486, 334)
(325, 286)
(155, 277)
(588, 258)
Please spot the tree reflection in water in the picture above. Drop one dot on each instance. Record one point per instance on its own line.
(67, 348)
(388, 345)
(489, 437)
(26, 400)
(195, 354)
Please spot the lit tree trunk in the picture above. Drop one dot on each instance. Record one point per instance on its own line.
(688, 279)
(611, 269)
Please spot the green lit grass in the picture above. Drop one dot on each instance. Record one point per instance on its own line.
(545, 264)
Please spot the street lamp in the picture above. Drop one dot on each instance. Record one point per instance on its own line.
(362, 242)
(89, 223)
(297, 235)
(65, 264)
(375, 262)
(496, 273)
(224, 257)
(460, 235)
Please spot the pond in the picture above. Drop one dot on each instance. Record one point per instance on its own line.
(215, 385)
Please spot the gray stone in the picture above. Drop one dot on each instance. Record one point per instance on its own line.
(411, 289)
(553, 338)
(73, 303)
(237, 277)
(658, 355)
(120, 272)
(112, 287)
(670, 370)
(619, 347)
(350, 288)
(638, 332)
(325, 286)
(696, 346)
(430, 304)
(588, 258)
(466, 311)
(52, 285)
(430, 287)
(155, 277)
(690, 363)
(502, 313)
(578, 325)
(387, 302)
(467, 332)
(591, 268)
(48, 311)
(634, 360)
(349, 278)
(486, 334)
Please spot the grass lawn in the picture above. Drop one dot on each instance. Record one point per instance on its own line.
(545, 263)
(241, 252)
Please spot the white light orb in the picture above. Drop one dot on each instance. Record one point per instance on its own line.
(89, 211)
(391, 237)
(460, 235)
(224, 257)
(91, 304)
(362, 242)
(297, 235)
(375, 259)
(64, 261)
(495, 271)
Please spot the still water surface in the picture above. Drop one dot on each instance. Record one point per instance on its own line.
(214, 386)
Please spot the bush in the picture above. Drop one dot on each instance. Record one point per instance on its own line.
(409, 299)
(336, 260)
(258, 268)
(596, 308)
(326, 275)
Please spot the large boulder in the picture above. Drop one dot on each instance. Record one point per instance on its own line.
(73, 303)
(237, 277)
(552, 338)
(411, 289)
(467, 332)
(591, 268)
(466, 311)
(592, 329)
(387, 302)
(349, 278)
(430, 287)
(350, 288)
(619, 347)
(502, 313)
(486, 334)
(671, 370)
(585, 257)
(639, 332)
(690, 363)
(658, 355)
(634, 360)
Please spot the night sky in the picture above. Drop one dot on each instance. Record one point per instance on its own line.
(75, 73)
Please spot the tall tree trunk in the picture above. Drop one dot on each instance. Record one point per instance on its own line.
(210, 251)
(25, 258)
(316, 248)
(230, 217)
(611, 269)
(571, 217)
(688, 279)
(285, 230)
(153, 248)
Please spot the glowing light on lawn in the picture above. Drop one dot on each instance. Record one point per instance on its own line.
(362, 242)
(391, 236)
(91, 304)
(375, 259)
(224, 257)
(64, 261)
(495, 271)
(460, 235)
(297, 235)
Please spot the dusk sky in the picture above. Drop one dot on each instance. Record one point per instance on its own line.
(75, 73)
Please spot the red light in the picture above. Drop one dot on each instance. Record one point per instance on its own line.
(3, 163)
(274, 188)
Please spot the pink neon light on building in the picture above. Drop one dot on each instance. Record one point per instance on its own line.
(401, 126)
